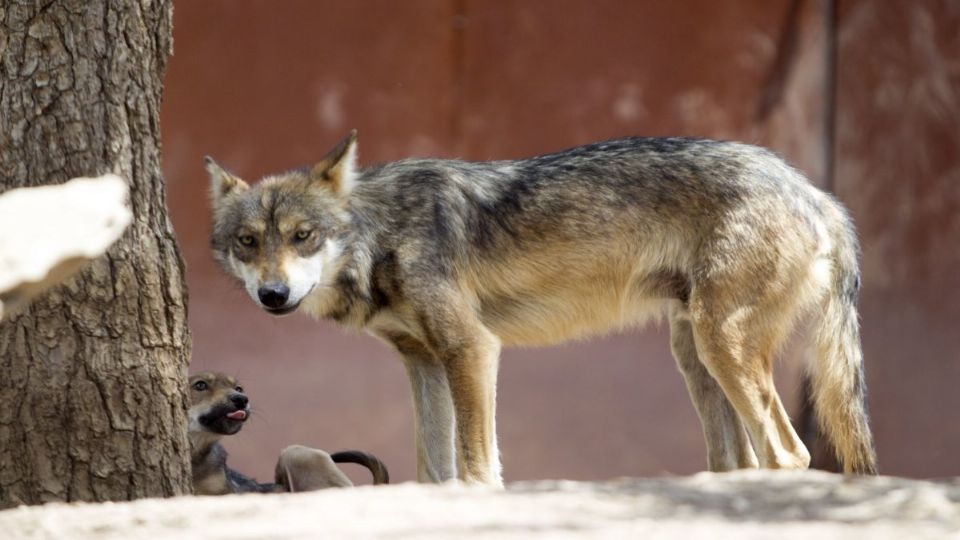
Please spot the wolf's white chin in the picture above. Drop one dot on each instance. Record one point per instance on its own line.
(284, 311)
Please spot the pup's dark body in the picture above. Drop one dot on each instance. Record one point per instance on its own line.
(211, 473)
(219, 408)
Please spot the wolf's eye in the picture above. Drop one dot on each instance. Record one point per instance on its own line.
(200, 386)
(246, 240)
(239, 388)
(300, 236)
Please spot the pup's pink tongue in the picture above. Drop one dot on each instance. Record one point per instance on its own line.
(237, 415)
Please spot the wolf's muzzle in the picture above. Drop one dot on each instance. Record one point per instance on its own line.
(239, 400)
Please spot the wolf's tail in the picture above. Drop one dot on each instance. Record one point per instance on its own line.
(839, 389)
(376, 467)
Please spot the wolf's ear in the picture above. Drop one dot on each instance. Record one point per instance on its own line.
(338, 170)
(222, 183)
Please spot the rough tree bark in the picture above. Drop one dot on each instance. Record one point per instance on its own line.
(92, 404)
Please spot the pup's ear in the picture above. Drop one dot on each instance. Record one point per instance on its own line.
(222, 183)
(338, 170)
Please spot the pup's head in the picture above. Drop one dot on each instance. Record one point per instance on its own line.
(218, 405)
(283, 236)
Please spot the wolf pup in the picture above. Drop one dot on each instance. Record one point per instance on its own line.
(219, 407)
(449, 260)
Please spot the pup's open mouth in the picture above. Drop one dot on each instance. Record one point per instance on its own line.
(237, 415)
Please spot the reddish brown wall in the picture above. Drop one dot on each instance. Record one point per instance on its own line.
(268, 85)
(898, 170)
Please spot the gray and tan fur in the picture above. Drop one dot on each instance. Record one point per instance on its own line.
(447, 261)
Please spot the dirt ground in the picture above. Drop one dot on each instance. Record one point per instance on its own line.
(749, 504)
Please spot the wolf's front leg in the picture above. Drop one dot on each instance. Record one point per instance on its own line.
(470, 355)
(472, 379)
(433, 411)
(471, 368)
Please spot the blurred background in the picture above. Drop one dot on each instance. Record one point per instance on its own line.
(864, 96)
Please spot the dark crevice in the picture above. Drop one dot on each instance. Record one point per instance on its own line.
(830, 94)
(458, 72)
(783, 62)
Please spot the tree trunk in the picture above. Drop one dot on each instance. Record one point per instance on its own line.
(92, 374)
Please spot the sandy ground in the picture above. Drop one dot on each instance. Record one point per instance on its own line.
(743, 505)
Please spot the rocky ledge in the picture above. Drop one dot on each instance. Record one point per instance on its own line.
(747, 504)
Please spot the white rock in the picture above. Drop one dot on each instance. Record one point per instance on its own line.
(48, 232)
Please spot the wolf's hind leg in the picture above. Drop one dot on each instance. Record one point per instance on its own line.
(728, 446)
(736, 342)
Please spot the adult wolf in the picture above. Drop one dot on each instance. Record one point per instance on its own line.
(448, 260)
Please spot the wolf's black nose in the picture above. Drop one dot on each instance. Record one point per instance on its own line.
(274, 295)
(239, 400)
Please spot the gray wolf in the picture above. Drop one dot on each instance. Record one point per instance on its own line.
(449, 260)
(220, 407)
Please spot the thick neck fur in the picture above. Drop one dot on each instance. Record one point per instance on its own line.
(208, 461)
(348, 301)
(355, 298)
(201, 444)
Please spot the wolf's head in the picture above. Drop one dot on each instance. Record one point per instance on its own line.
(283, 236)
(218, 405)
